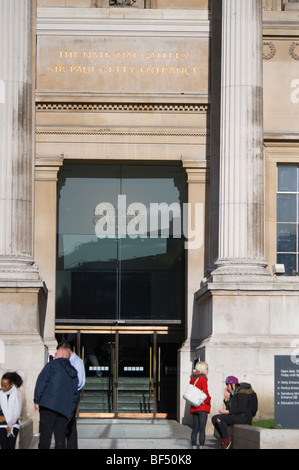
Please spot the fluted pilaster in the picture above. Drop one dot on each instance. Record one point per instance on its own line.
(16, 152)
(241, 186)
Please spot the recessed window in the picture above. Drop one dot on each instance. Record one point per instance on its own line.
(288, 217)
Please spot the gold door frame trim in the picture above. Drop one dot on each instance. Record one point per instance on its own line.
(111, 329)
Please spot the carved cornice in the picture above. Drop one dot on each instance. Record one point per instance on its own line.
(140, 134)
(122, 107)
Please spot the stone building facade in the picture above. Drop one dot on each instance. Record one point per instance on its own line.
(111, 110)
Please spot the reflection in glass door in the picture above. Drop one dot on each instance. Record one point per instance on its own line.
(133, 244)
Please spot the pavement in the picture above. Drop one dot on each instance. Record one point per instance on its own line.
(123, 434)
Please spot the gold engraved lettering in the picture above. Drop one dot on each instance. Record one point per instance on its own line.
(82, 69)
(113, 62)
(126, 55)
(163, 70)
(102, 55)
(147, 55)
(68, 54)
(57, 69)
(116, 69)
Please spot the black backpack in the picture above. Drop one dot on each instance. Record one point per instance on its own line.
(253, 403)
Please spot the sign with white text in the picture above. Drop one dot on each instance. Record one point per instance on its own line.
(286, 392)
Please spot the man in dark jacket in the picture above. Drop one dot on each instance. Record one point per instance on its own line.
(237, 409)
(55, 396)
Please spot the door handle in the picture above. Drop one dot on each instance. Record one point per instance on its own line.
(159, 373)
(150, 372)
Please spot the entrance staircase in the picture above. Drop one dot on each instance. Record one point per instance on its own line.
(133, 395)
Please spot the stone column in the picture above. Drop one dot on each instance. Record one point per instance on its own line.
(22, 293)
(241, 186)
(16, 149)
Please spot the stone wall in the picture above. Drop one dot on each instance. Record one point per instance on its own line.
(250, 437)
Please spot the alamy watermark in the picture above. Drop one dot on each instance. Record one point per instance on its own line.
(295, 93)
(159, 220)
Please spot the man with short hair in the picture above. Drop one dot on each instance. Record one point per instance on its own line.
(55, 396)
(78, 364)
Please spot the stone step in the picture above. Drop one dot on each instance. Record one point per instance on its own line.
(121, 386)
(91, 381)
(121, 398)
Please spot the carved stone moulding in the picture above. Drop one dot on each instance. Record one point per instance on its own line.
(272, 50)
(292, 50)
(241, 267)
(18, 268)
(121, 107)
(122, 3)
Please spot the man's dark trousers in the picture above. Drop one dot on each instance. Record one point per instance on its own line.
(71, 430)
(51, 422)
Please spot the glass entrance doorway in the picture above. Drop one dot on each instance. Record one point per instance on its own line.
(129, 373)
(120, 283)
(120, 243)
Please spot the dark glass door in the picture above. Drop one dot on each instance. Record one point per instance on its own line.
(120, 248)
(98, 354)
(128, 374)
(135, 386)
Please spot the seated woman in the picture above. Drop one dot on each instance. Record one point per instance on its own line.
(237, 409)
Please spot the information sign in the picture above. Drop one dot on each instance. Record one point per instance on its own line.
(286, 392)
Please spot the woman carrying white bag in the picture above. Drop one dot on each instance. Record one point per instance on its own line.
(200, 413)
